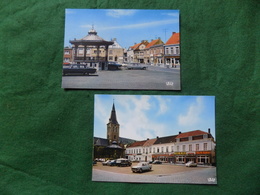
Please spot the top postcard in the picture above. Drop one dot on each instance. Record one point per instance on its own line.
(123, 49)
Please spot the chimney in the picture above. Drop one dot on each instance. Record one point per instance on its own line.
(147, 138)
(157, 137)
(173, 33)
(209, 130)
(179, 132)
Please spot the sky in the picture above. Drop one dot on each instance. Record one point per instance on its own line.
(128, 26)
(145, 116)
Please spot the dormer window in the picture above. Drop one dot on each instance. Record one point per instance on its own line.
(205, 136)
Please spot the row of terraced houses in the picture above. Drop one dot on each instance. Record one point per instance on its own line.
(155, 52)
(197, 146)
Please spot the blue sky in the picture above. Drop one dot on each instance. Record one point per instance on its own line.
(144, 116)
(127, 25)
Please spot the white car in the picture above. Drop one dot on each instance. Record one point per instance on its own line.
(141, 167)
(191, 164)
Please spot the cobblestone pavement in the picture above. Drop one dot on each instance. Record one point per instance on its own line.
(165, 173)
(155, 78)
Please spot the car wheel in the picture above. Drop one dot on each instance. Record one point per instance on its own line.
(140, 170)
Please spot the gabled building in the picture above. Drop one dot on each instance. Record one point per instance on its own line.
(172, 51)
(138, 51)
(115, 52)
(152, 54)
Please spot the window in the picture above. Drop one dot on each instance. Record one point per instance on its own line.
(183, 148)
(158, 150)
(177, 148)
(162, 149)
(110, 51)
(197, 147)
(177, 50)
(205, 146)
(67, 52)
(167, 149)
(172, 50)
(167, 50)
(114, 136)
(153, 150)
(190, 147)
(172, 148)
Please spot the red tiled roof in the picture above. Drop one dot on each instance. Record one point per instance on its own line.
(138, 143)
(152, 43)
(135, 46)
(191, 133)
(174, 39)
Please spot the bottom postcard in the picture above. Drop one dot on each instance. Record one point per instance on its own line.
(154, 139)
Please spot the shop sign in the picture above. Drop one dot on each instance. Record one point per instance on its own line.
(203, 152)
(179, 153)
(191, 153)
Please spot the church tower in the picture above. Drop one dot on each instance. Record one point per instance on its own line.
(113, 127)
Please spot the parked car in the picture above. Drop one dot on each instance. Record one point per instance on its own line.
(78, 69)
(157, 162)
(112, 163)
(113, 66)
(191, 164)
(106, 162)
(141, 167)
(136, 66)
(121, 162)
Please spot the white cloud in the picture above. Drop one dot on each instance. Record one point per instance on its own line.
(116, 13)
(163, 105)
(192, 116)
(172, 14)
(134, 118)
(143, 25)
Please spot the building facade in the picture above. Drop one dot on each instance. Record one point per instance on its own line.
(197, 146)
(115, 52)
(172, 51)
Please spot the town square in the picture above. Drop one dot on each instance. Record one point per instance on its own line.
(146, 146)
(127, 49)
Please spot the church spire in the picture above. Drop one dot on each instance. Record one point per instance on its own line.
(112, 118)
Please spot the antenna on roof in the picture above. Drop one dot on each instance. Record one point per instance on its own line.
(165, 33)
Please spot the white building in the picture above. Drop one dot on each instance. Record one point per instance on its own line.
(197, 146)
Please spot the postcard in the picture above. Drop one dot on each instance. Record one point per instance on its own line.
(154, 139)
(123, 49)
